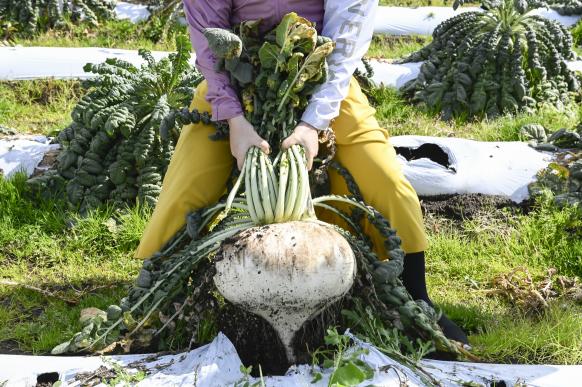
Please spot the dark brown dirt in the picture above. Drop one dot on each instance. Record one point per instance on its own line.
(254, 339)
(257, 343)
(469, 206)
(94, 378)
(48, 161)
(47, 379)
(10, 347)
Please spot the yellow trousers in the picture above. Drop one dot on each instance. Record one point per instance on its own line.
(200, 168)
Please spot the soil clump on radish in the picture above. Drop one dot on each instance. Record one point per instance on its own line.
(257, 343)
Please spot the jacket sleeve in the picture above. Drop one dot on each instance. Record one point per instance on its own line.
(201, 14)
(350, 24)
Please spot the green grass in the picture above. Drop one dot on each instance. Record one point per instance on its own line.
(556, 338)
(42, 106)
(89, 261)
(464, 259)
(38, 106)
(401, 118)
(393, 47)
(85, 260)
(111, 34)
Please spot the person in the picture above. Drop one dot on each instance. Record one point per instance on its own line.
(199, 169)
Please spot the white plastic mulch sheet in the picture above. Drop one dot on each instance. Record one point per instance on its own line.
(136, 12)
(389, 20)
(23, 154)
(423, 20)
(217, 364)
(446, 165)
(393, 75)
(19, 63)
(133, 12)
(396, 75)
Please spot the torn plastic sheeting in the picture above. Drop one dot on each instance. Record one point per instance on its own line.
(23, 154)
(491, 168)
(423, 20)
(20, 63)
(217, 364)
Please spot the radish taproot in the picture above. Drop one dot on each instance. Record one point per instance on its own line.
(277, 272)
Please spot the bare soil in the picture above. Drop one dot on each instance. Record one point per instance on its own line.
(10, 347)
(47, 379)
(48, 162)
(469, 206)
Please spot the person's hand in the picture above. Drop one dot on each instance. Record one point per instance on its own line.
(306, 135)
(242, 137)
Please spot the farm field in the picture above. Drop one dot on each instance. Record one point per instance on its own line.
(55, 262)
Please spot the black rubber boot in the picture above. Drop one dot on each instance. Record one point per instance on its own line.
(414, 279)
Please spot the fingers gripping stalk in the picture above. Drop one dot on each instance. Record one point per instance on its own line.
(270, 199)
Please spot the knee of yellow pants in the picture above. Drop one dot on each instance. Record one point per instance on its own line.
(405, 217)
(364, 150)
(199, 101)
(196, 178)
(383, 186)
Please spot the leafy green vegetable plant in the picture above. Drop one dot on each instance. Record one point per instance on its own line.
(503, 60)
(563, 176)
(124, 130)
(164, 19)
(246, 379)
(32, 16)
(275, 79)
(566, 7)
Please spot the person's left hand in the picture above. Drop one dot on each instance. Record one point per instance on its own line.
(306, 135)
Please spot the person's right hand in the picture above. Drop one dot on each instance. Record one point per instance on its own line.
(242, 137)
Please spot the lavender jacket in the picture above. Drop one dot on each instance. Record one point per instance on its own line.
(349, 23)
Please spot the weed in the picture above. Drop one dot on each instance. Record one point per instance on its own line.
(121, 34)
(245, 381)
(389, 341)
(390, 46)
(343, 359)
(555, 338)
